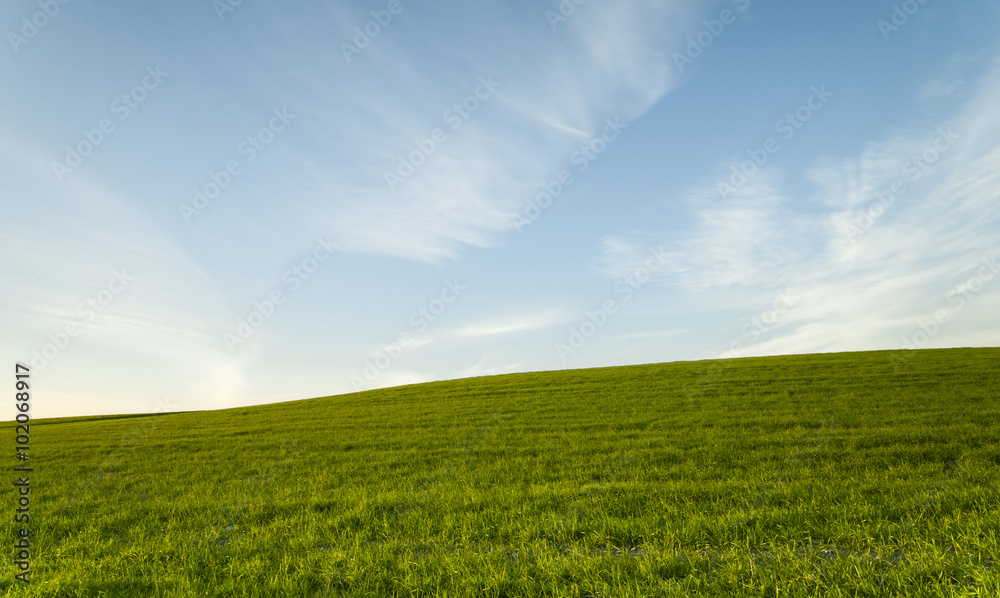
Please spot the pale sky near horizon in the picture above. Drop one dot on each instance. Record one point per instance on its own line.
(221, 203)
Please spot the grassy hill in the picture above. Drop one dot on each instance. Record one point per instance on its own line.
(854, 474)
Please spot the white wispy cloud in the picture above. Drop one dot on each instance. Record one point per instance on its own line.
(735, 241)
(866, 274)
(609, 60)
(520, 323)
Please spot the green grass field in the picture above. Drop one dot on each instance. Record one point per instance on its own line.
(853, 474)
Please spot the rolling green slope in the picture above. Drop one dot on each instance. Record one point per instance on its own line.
(854, 474)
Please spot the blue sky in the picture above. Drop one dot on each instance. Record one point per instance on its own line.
(208, 205)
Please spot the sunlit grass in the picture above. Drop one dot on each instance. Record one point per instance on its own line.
(861, 474)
